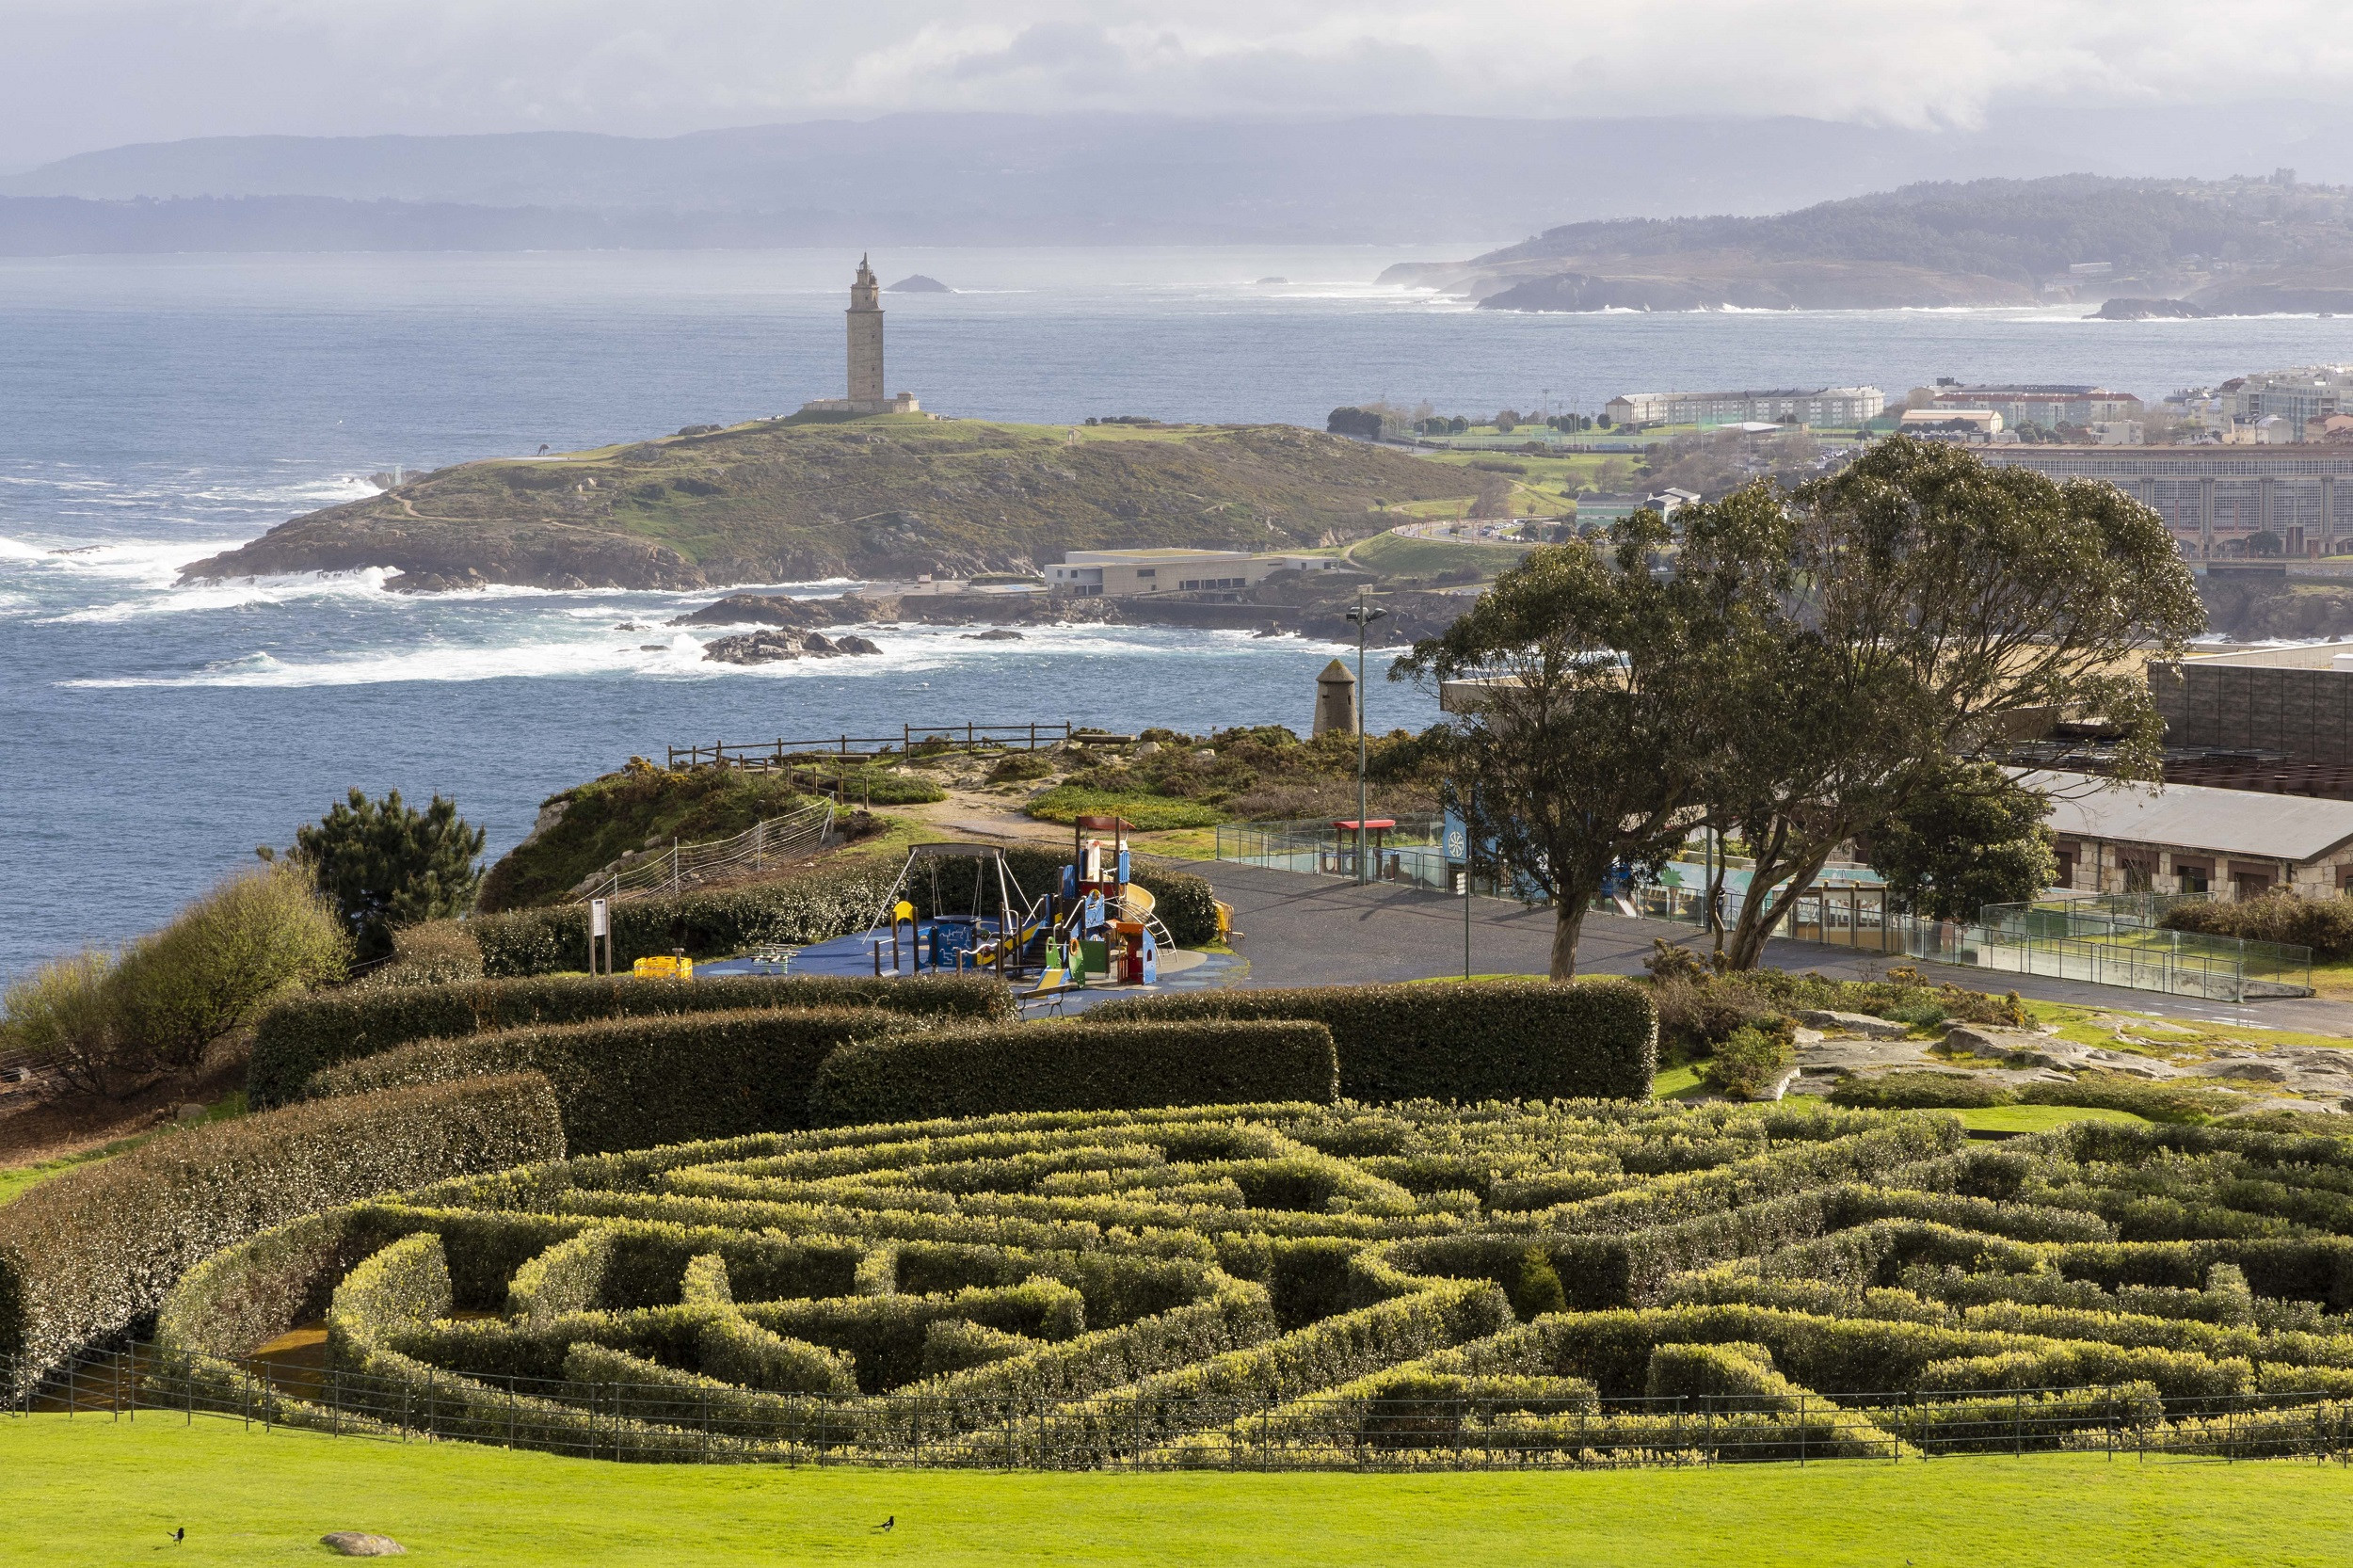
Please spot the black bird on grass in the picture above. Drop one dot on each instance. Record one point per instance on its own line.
(887, 1524)
(180, 1534)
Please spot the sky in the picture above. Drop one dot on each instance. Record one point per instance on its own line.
(77, 75)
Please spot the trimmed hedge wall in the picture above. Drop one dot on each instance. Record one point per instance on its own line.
(1934, 1090)
(1074, 1067)
(405, 1285)
(832, 901)
(1502, 1040)
(86, 1254)
(302, 1036)
(635, 1083)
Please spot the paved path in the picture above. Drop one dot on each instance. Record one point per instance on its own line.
(1303, 929)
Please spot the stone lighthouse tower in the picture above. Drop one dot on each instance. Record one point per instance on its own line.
(866, 343)
(866, 356)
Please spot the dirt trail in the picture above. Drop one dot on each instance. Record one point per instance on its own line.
(43, 1120)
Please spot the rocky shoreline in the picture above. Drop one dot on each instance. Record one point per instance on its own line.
(1412, 614)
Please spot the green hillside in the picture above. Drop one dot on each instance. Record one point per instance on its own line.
(892, 496)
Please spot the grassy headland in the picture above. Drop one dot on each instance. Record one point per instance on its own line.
(891, 496)
(588, 827)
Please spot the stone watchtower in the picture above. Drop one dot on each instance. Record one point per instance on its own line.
(866, 341)
(1336, 699)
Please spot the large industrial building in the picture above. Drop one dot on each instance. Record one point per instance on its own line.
(2216, 499)
(2293, 703)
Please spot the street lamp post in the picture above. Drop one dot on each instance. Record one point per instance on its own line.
(1363, 614)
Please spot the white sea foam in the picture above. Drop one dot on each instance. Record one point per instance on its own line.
(576, 652)
(156, 561)
(231, 594)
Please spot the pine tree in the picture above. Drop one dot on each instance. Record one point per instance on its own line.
(386, 864)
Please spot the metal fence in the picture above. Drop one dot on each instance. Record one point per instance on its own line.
(1410, 854)
(775, 841)
(1842, 914)
(2114, 940)
(2106, 940)
(683, 1423)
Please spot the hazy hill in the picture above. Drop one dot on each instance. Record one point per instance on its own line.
(1983, 243)
(1068, 179)
(897, 496)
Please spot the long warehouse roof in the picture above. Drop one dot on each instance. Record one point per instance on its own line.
(2193, 816)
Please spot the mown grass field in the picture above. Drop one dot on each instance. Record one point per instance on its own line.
(92, 1490)
(1400, 556)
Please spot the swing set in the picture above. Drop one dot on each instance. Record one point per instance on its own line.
(1096, 921)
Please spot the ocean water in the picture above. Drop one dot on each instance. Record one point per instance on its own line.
(156, 409)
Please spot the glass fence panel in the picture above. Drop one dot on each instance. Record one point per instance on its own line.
(2107, 939)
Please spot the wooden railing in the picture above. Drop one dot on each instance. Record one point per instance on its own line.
(954, 737)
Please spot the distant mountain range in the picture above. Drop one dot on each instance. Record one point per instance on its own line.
(1067, 180)
(2229, 247)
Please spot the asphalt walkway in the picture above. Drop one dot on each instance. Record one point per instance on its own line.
(1302, 930)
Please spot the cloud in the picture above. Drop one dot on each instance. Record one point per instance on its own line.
(95, 73)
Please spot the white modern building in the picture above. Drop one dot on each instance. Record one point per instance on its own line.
(1125, 573)
(2299, 394)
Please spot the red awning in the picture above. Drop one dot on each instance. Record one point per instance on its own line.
(1371, 824)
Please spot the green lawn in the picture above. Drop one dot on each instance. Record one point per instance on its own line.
(1398, 555)
(1066, 803)
(16, 1179)
(1677, 1083)
(2036, 1118)
(96, 1492)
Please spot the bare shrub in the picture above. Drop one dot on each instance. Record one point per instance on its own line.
(114, 1024)
(62, 1014)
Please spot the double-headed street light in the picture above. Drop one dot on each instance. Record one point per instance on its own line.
(1362, 614)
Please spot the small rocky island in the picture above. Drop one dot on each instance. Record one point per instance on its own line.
(917, 283)
(769, 647)
(2149, 309)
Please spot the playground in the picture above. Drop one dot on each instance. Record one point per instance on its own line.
(1092, 935)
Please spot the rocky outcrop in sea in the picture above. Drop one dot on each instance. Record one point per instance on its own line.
(768, 647)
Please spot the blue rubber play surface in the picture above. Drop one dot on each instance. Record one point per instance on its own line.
(856, 955)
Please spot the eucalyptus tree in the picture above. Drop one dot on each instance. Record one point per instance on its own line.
(1932, 607)
(1585, 689)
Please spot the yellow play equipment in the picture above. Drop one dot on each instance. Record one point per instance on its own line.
(662, 968)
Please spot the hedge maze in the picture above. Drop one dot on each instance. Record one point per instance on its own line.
(1542, 1283)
